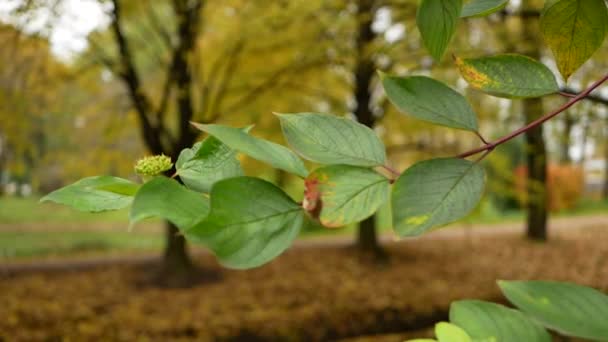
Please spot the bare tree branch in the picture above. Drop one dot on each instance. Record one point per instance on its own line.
(129, 74)
(227, 75)
(592, 98)
(268, 84)
(334, 101)
(188, 15)
(158, 26)
(101, 57)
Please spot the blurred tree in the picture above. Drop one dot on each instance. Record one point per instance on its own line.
(565, 140)
(605, 187)
(379, 39)
(236, 61)
(195, 52)
(27, 71)
(364, 72)
(205, 61)
(54, 123)
(385, 38)
(153, 128)
(535, 150)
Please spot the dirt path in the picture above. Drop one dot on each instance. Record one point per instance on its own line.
(72, 264)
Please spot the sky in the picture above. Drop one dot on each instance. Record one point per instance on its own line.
(77, 18)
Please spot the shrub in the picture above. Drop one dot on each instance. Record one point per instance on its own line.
(565, 185)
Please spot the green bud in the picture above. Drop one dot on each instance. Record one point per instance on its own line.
(153, 165)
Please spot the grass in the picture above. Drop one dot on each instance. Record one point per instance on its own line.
(587, 206)
(60, 243)
(29, 229)
(30, 210)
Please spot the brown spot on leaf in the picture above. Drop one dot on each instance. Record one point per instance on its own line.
(312, 197)
(472, 75)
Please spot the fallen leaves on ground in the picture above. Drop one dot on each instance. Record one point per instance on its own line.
(307, 294)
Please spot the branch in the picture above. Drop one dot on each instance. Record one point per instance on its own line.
(188, 15)
(101, 57)
(520, 13)
(421, 147)
(206, 90)
(267, 84)
(155, 22)
(306, 89)
(226, 78)
(491, 146)
(592, 98)
(131, 78)
(164, 102)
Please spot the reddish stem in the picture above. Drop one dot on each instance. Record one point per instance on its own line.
(392, 171)
(483, 156)
(535, 123)
(563, 93)
(483, 140)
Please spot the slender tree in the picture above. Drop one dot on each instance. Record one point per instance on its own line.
(364, 72)
(565, 139)
(535, 149)
(153, 128)
(605, 188)
(27, 69)
(192, 92)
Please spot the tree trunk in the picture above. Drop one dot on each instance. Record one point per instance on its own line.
(176, 263)
(605, 190)
(536, 157)
(536, 152)
(367, 240)
(176, 258)
(3, 153)
(565, 139)
(177, 267)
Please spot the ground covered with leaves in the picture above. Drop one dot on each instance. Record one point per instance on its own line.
(313, 292)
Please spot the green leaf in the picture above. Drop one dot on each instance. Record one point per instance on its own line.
(509, 75)
(435, 192)
(485, 321)
(329, 139)
(95, 194)
(568, 308)
(422, 340)
(427, 99)
(574, 30)
(119, 186)
(348, 194)
(250, 223)
(482, 8)
(274, 154)
(447, 332)
(207, 162)
(437, 21)
(166, 198)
